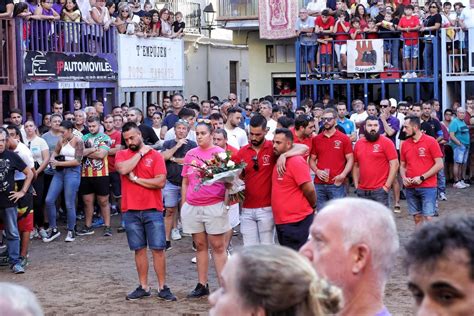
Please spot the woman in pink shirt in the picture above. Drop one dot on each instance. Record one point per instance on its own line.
(203, 213)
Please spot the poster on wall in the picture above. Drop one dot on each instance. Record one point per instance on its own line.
(150, 62)
(277, 18)
(52, 66)
(365, 56)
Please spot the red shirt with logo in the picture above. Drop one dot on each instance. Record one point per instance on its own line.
(373, 159)
(306, 141)
(342, 36)
(419, 157)
(325, 25)
(136, 197)
(331, 153)
(115, 139)
(359, 35)
(411, 37)
(289, 205)
(258, 183)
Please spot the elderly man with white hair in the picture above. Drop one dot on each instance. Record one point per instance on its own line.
(354, 244)
(15, 300)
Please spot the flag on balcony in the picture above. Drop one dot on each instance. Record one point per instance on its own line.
(277, 18)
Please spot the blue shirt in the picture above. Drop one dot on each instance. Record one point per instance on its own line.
(347, 125)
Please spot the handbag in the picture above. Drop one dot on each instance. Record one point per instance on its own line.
(60, 158)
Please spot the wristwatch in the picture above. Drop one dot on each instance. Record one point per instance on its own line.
(422, 178)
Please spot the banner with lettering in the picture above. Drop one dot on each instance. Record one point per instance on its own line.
(277, 18)
(52, 66)
(150, 62)
(365, 55)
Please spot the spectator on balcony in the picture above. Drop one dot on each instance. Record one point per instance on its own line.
(430, 27)
(100, 15)
(341, 29)
(144, 28)
(147, 7)
(125, 21)
(71, 13)
(375, 8)
(371, 31)
(409, 26)
(136, 7)
(387, 29)
(32, 5)
(166, 29)
(361, 13)
(305, 32)
(178, 25)
(112, 7)
(46, 12)
(21, 10)
(315, 7)
(6, 8)
(355, 30)
(324, 27)
(155, 22)
(58, 5)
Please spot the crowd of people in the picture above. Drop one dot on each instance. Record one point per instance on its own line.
(406, 27)
(300, 166)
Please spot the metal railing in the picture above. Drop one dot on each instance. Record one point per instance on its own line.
(454, 51)
(7, 52)
(67, 37)
(191, 12)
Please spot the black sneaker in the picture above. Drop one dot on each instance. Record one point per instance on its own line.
(139, 293)
(199, 291)
(165, 294)
(121, 229)
(85, 231)
(52, 235)
(107, 231)
(168, 245)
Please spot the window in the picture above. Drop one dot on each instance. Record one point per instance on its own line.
(280, 53)
(270, 54)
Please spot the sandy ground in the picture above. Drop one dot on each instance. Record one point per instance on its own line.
(93, 274)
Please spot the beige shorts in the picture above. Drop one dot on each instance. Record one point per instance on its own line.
(212, 219)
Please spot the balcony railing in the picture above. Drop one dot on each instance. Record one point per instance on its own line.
(7, 53)
(191, 13)
(242, 9)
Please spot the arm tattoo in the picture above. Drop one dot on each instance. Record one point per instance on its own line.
(79, 147)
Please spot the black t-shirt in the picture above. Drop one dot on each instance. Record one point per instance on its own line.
(148, 135)
(430, 128)
(178, 26)
(431, 21)
(173, 170)
(9, 162)
(388, 33)
(3, 5)
(170, 120)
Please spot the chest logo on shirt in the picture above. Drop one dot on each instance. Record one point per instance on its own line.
(421, 152)
(376, 148)
(266, 160)
(148, 162)
(337, 144)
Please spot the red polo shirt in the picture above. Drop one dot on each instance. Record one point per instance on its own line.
(116, 139)
(136, 197)
(289, 205)
(232, 150)
(331, 154)
(419, 157)
(305, 141)
(373, 159)
(258, 184)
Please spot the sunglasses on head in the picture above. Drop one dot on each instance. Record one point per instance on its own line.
(255, 163)
(205, 121)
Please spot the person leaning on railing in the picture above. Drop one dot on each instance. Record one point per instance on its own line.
(6, 9)
(431, 25)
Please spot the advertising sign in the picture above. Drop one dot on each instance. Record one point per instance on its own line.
(365, 56)
(52, 66)
(150, 62)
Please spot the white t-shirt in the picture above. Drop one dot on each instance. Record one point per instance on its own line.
(316, 6)
(26, 156)
(467, 16)
(237, 137)
(36, 146)
(271, 126)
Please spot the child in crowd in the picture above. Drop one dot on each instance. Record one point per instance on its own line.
(371, 30)
(324, 26)
(386, 27)
(71, 13)
(178, 25)
(21, 10)
(144, 28)
(341, 29)
(355, 31)
(147, 7)
(409, 26)
(325, 56)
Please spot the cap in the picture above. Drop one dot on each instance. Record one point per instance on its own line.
(393, 102)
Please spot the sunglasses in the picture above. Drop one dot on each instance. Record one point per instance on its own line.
(384, 105)
(327, 119)
(232, 99)
(433, 6)
(248, 109)
(205, 121)
(255, 163)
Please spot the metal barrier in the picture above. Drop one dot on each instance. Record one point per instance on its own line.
(8, 73)
(392, 76)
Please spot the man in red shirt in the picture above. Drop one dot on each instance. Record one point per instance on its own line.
(143, 175)
(331, 160)
(115, 146)
(293, 195)
(303, 132)
(409, 26)
(375, 163)
(256, 220)
(421, 159)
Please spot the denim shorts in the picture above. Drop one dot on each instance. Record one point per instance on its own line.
(460, 154)
(325, 59)
(387, 46)
(145, 228)
(310, 52)
(115, 184)
(410, 51)
(421, 201)
(171, 194)
(377, 195)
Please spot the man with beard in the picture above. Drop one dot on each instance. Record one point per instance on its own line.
(143, 175)
(375, 163)
(303, 132)
(293, 195)
(421, 159)
(257, 223)
(236, 136)
(331, 160)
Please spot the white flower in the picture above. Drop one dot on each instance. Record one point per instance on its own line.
(230, 164)
(222, 155)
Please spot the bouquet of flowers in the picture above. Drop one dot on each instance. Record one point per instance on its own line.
(220, 168)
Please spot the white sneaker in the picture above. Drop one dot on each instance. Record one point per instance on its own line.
(34, 234)
(406, 76)
(194, 260)
(175, 235)
(70, 236)
(413, 75)
(465, 184)
(459, 185)
(443, 197)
